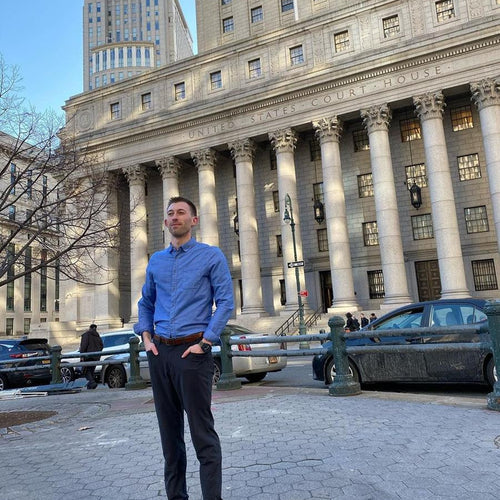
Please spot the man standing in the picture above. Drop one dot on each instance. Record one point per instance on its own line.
(178, 326)
(91, 342)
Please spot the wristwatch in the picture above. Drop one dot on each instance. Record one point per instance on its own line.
(205, 346)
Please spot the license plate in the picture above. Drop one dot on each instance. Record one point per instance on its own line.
(272, 360)
(45, 361)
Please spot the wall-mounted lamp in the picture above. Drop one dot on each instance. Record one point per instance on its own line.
(319, 211)
(236, 225)
(416, 196)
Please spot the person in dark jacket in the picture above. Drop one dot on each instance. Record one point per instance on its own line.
(364, 320)
(352, 324)
(91, 342)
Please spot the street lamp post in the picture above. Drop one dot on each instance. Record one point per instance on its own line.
(288, 219)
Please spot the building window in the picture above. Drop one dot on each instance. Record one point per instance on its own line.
(29, 184)
(279, 246)
(45, 185)
(376, 284)
(57, 285)
(9, 326)
(12, 212)
(286, 5)
(13, 178)
(115, 111)
(272, 159)
(461, 118)
(254, 68)
(390, 26)
(43, 282)
(361, 142)
(410, 129)
(276, 201)
(370, 233)
(444, 10)
(225, 2)
(341, 41)
(296, 55)
(365, 185)
(485, 277)
(318, 193)
(216, 80)
(180, 91)
(322, 240)
(422, 227)
(282, 292)
(314, 149)
(27, 326)
(417, 174)
(11, 251)
(476, 219)
(257, 14)
(146, 101)
(468, 167)
(27, 280)
(227, 25)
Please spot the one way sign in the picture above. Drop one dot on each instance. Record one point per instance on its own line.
(296, 263)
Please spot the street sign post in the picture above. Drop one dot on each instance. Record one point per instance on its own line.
(295, 263)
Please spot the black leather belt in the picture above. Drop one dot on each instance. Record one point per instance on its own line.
(188, 339)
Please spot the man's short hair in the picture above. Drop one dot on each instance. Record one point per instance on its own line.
(93, 326)
(178, 199)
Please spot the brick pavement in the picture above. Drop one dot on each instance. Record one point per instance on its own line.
(278, 444)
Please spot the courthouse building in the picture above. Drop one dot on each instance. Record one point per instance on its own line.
(378, 121)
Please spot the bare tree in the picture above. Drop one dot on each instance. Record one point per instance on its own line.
(54, 199)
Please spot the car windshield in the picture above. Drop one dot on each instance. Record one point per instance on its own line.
(411, 318)
(116, 340)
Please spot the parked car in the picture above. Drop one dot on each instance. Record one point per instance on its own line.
(111, 341)
(18, 350)
(446, 364)
(253, 369)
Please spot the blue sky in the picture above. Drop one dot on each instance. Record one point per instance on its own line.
(44, 39)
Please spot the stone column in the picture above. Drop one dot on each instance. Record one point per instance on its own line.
(283, 142)
(204, 161)
(486, 95)
(328, 132)
(376, 120)
(136, 176)
(430, 107)
(243, 152)
(169, 170)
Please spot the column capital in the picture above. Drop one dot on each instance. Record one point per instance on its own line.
(168, 167)
(377, 118)
(135, 174)
(328, 129)
(242, 150)
(429, 105)
(204, 159)
(283, 140)
(486, 92)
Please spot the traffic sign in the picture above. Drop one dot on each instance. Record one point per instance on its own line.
(296, 263)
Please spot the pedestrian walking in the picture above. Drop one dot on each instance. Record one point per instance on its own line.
(364, 320)
(373, 317)
(90, 342)
(178, 327)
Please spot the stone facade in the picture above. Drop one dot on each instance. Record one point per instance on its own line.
(347, 103)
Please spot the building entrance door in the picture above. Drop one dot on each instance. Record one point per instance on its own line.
(326, 289)
(428, 280)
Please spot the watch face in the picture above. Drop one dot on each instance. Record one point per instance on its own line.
(205, 347)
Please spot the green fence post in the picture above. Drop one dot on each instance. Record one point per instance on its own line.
(135, 381)
(492, 310)
(343, 384)
(227, 380)
(55, 364)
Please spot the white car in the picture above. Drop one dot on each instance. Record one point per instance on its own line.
(253, 369)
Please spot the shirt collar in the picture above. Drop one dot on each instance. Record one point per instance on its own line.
(185, 248)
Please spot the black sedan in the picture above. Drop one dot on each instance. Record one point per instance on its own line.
(420, 365)
(24, 352)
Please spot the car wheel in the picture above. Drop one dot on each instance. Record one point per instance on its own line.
(491, 372)
(256, 377)
(330, 372)
(3, 382)
(67, 374)
(115, 377)
(217, 371)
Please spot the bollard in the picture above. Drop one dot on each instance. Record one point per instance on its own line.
(343, 384)
(55, 364)
(135, 381)
(228, 380)
(492, 310)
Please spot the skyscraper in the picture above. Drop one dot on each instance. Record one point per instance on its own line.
(123, 38)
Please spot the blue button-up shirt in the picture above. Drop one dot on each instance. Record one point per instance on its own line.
(180, 289)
